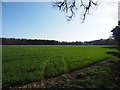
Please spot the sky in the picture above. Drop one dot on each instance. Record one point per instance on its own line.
(39, 20)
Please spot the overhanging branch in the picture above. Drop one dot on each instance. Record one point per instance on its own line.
(69, 6)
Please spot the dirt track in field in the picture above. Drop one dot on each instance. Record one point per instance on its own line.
(71, 76)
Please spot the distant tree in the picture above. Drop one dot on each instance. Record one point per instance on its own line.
(116, 35)
(70, 6)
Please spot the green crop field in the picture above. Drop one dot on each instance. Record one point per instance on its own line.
(28, 63)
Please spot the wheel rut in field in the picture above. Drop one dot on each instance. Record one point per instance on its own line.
(71, 75)
(46, 61)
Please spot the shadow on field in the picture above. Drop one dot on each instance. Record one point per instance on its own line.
(117, 54)
(115, 66)
(115, 72)
(110, 47)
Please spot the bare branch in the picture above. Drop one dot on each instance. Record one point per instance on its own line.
(87, 8)
(70, 7)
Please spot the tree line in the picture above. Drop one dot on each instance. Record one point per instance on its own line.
(14, 41)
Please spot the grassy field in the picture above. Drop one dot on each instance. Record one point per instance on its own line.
(28, 63)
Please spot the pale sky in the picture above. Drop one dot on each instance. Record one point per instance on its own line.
(39, 20)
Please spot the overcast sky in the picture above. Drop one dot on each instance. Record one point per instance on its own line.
(40, 20)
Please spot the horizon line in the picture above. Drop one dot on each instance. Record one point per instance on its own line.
(51, 39)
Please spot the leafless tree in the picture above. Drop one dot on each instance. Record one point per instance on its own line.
(70, 6)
